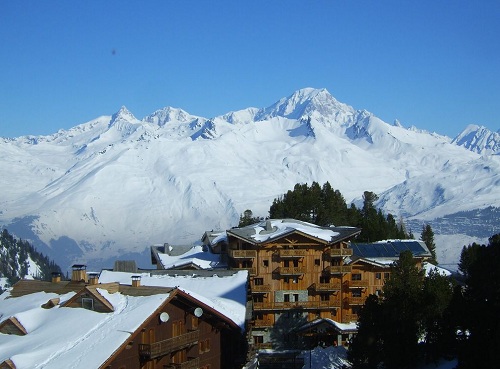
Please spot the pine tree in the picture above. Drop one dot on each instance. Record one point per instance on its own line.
(402, 313)
(366, 348)
(427, 236)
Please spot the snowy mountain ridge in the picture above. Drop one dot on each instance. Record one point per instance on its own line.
(117, 184)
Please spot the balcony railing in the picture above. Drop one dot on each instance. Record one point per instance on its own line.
(243, 254)
(355, 300)
(340, 252)
(160, 348)
(261, 288)
(332, 286)
(263, 323)
(289, 253)
(338, 269)
(263, 346)
(291, 270)
(191, 363)
(283, 305)
(357, 284)
(347, 318)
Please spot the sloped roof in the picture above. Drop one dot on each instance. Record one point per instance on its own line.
(193, 257)
(73, 337)
(224, 293)
(389, 249)
(272, 229)
(53, 345)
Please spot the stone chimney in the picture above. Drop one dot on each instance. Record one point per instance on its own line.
(79, 273)
(136, 280)
(56, 277)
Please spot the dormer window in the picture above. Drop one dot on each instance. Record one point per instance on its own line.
(87, 303)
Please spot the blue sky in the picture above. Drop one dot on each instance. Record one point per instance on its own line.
(432, 64)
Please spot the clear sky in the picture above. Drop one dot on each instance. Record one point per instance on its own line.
(433, 64)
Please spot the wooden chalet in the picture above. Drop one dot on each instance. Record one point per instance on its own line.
(113, 325)
(304, 272)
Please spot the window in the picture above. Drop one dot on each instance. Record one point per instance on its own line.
(295, 263)
(87, 303)
(286, 263)
(317, 262)
(204, 346)
(286, 297)
(295, 280)
(356, 293)
(265, 262)
(258, 298)
(258, 339)
(295, 297)
(258, 281)
(324, 279)
(325, 297)
(356, 277)
(378, 275)
(194, 322)
(386, 276)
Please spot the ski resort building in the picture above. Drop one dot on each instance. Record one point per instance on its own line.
(301, 272)
(124, 320)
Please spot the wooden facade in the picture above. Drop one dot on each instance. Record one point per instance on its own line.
(182, 340)
(181, 333)
(297, 271)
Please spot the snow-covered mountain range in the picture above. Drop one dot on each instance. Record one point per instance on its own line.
(113, 186)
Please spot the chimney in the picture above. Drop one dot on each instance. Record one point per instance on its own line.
(136, 280)
(269, 226)
(56, 277)
(79, 273)
(93, 278)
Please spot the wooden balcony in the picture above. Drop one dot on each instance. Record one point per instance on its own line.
(355, 300)
(261, 288)
(263, 323)
(335, 253)
(243, 254)
(160, 348)
(285, 305)
(325, 287)
(357, 284)
(191, 363)
(291, 270)
(338, 269)
(347, 318)
(289, 253)
(263, 346)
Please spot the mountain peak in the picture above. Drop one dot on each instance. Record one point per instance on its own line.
(121, 116)
(304, 102)
(169, 114)
(479, 139)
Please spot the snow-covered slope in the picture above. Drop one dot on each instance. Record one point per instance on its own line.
(114, 186)
(479, 139)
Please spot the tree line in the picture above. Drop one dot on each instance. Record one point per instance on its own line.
(324, 206)
(14, 259)
(423, 318)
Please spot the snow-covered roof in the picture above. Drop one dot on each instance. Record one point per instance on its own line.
(428, 267)
(51, 345)
(340, 327)
(271, 229)
(226, 294)
(195, 257)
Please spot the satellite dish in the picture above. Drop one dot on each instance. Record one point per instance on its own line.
(164, 317)
(198, 312)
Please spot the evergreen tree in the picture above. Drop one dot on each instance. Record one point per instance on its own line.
(482, 299)
(427, 236)
(436, 296)
(365, 351)
(467, 258)
(402, 313)
(247, 218)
